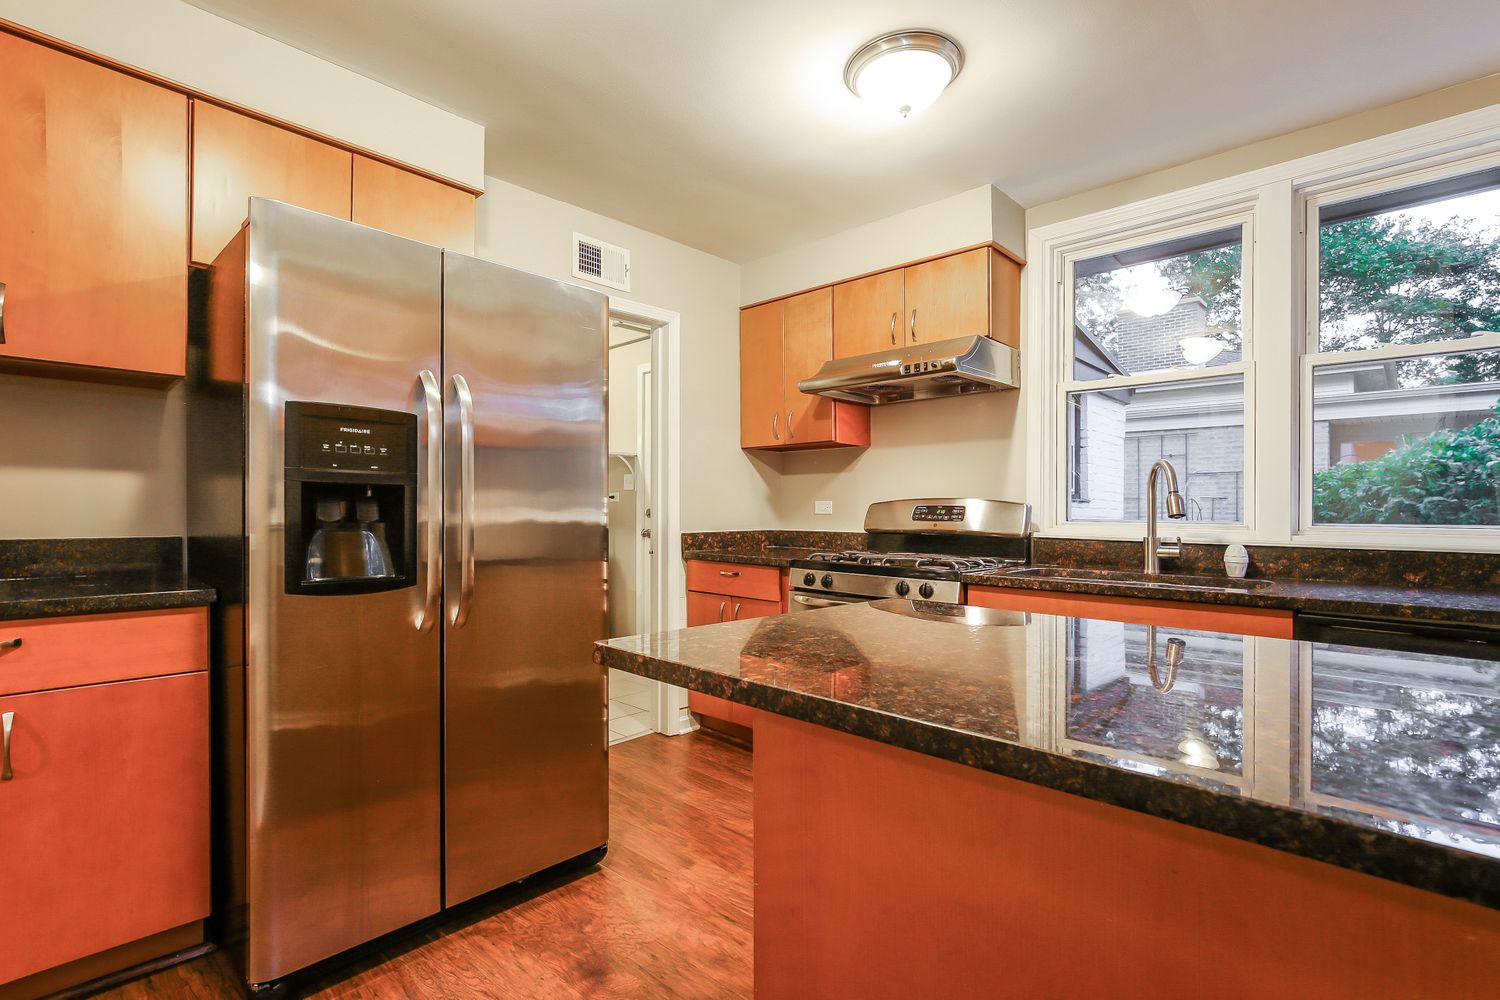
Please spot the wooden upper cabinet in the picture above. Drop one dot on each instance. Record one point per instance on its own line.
(93, 215)
(407, 204)
(867, 315)
(781, 343)
(761, 385)
(807, 342)
(236, 157)
(948, 297)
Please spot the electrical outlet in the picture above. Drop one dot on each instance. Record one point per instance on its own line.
(822, 506)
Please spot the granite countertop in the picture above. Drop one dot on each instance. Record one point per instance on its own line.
(1317, 596)
(51, 577)
(101, 593)
(1356, 598)
(1376, 760)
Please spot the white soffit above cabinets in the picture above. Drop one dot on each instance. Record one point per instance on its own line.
(215, 56)
(728, 126)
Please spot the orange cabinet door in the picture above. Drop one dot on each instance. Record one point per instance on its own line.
(236, 158)
(710, 609)
(764, 583)
(807, 342)
(1005, 299)
(105, 830)
(407, 204)
(744, 608)
(1268, 622)
(761, 384)
(948, 297)
(93, 215)
(868, 315)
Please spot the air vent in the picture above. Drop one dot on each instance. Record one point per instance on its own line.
(605, 263)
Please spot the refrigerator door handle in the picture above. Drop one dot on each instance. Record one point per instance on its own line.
(465, 500)
(429, 521)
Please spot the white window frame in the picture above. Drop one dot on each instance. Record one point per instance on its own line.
(1242, 217)
(1280, 317)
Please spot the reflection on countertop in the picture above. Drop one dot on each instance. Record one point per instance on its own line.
(1379, 760)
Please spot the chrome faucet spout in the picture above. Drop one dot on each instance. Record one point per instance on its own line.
(1156, 550)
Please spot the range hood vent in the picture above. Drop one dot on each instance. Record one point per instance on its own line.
(928, 371)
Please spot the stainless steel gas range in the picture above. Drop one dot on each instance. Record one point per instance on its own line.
(919, 549)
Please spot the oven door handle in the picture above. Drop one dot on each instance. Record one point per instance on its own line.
(819, 602)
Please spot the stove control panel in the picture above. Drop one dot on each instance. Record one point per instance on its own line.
(941, 513)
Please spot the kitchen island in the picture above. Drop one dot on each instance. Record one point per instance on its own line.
(960, 802)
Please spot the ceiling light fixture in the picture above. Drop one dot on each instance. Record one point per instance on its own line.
(905, 71)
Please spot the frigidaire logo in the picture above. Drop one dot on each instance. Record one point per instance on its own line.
(355, 430)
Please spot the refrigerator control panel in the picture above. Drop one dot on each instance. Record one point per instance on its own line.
(350, 439)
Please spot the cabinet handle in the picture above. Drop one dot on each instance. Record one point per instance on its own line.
(913, 325)
(722, 605)
(774, 433)
(724, 572)
(893, 328)
(789, 433)
(6, 721)
(10, 644)
(736, 615)
(2, 312)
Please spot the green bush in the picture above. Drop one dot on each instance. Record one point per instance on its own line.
(1447, 477)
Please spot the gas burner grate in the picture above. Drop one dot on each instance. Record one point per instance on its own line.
(913, 560)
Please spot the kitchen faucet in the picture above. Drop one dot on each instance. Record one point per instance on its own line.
(1158, 550)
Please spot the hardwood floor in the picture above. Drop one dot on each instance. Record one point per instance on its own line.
(667, 914)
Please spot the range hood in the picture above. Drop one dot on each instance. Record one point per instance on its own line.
(926, 371)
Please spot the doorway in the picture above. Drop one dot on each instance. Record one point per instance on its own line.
(641, 484)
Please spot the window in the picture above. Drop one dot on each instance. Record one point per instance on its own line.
(1405, 429)
(1314, 346)
(1149, 323)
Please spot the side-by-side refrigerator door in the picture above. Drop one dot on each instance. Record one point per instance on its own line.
(523, 385)
(343, 724)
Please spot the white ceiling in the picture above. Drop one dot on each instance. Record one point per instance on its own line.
(725, 125)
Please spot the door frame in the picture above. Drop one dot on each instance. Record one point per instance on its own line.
(668, 598)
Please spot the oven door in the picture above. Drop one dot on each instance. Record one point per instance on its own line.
(812, 602)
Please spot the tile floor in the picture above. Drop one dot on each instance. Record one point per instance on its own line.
(629, 706)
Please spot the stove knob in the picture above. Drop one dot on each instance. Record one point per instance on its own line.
(827, 580)
(902, 588)
(925, 590)
(809, 580)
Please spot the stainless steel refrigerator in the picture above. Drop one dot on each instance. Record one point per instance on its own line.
(396, 481)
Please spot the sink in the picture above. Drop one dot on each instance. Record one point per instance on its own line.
(1125, 578)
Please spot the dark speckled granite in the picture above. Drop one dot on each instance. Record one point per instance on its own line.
(767, 548)
(41, 578)
(1376, 760)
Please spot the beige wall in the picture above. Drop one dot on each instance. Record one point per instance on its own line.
(1439, 104)
(200, 50)
(722, 486)
(90, 461)
(950, 447)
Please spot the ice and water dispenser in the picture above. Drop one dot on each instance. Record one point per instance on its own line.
(351, 499)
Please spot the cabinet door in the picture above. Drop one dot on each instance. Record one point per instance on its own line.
(710, 609)
(236, 158)
(93, 214)
(948, 297)
(761, 386)
(105, 820)
(1267, 622)
(1005, 299)
(744, 608)
(807, 343)
(867, 315)
(407, 204)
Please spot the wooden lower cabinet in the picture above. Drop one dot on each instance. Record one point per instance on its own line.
(103, 819)
(93, 218)
(734, 581)
(883, 873)
(1268, 622)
